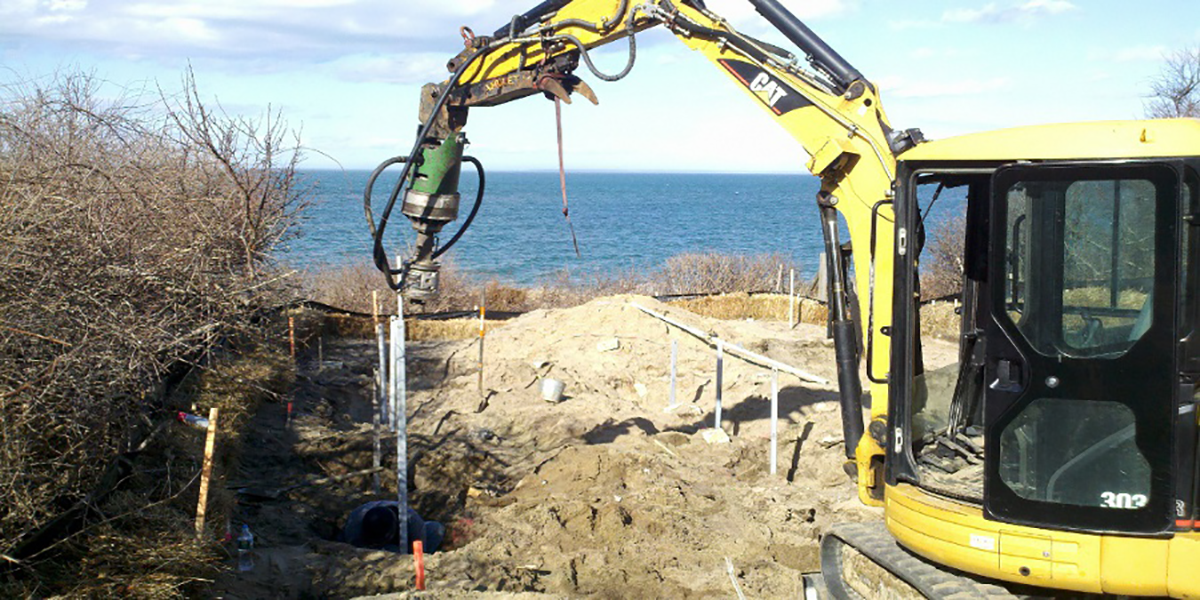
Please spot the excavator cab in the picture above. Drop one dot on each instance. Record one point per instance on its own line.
(1068, 424)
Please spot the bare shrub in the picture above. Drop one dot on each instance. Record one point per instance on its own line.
(942, 267)
(713, 273)
(135, 234)
(1175, 92)
(349, 287)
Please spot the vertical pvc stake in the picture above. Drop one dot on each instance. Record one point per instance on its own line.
(720, 368)
(376, 458)
(774, 420)
(401, 418)
(393, 373)
(382, 372)
(674, 359)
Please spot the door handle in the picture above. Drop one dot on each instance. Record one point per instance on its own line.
(1008, 376)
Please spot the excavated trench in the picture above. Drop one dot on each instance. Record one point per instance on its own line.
(604, 494)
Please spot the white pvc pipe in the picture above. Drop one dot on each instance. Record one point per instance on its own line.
(720, 369)
(747, 355)
(381, 387)
(401, 420)
(674, 359)
(774, 420)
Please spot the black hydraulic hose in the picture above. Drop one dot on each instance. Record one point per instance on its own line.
(533, 15)
(380, 255)
(587, 60)
(823, 56)
(474, 209)
(596, 27)
(698, 30)
(371, 184)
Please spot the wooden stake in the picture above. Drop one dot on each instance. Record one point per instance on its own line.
(292, 336)
(210, 443)
(791, 298)
(375, 306)
(482, 312)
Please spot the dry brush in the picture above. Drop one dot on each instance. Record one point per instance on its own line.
(135, 236)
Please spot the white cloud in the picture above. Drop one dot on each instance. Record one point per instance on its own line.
(409, 68)
(1141, 54)
(991, 13)
(287, 30)
(66, 5)
(928, 53)
(741, 12)
(900, 87)
(401, 36)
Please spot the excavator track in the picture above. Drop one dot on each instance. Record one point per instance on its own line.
(862, 561)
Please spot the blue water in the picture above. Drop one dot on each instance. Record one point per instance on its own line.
(623, 221)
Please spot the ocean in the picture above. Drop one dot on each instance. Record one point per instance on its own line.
(623, 221)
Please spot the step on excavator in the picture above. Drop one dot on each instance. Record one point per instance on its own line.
(1058, 456)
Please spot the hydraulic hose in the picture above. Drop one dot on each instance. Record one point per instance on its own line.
(587, 59)
(379, 254)
(474, 209)
(466, 223)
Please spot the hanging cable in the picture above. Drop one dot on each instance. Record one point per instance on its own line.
(562, 174)
(474, 209)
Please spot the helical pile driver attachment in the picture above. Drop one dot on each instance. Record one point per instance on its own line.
(429, 183)
(431, 203)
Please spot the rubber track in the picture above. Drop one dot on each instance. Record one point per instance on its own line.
(875, 542)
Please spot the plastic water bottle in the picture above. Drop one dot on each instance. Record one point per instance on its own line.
(192, 420)
(245, 545)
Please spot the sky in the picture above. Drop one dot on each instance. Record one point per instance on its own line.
(346, 73)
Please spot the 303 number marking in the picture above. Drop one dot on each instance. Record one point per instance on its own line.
(1123, 500)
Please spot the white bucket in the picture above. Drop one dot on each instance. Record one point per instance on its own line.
(552, 390)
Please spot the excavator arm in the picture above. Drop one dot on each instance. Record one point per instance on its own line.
(821, 100)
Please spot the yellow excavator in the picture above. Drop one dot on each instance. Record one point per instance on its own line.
(1058, 455)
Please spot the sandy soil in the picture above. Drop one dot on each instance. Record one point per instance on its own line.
(603, 494)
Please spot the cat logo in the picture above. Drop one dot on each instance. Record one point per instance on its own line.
(772, 91)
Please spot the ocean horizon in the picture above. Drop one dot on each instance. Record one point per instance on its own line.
(624, 221)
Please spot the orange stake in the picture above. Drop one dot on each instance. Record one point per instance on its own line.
(419, 563)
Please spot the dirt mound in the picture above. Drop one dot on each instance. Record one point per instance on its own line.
(605, 493)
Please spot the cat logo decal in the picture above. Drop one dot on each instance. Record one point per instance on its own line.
(777, 95)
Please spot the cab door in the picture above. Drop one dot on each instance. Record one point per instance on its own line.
(1080, 372)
